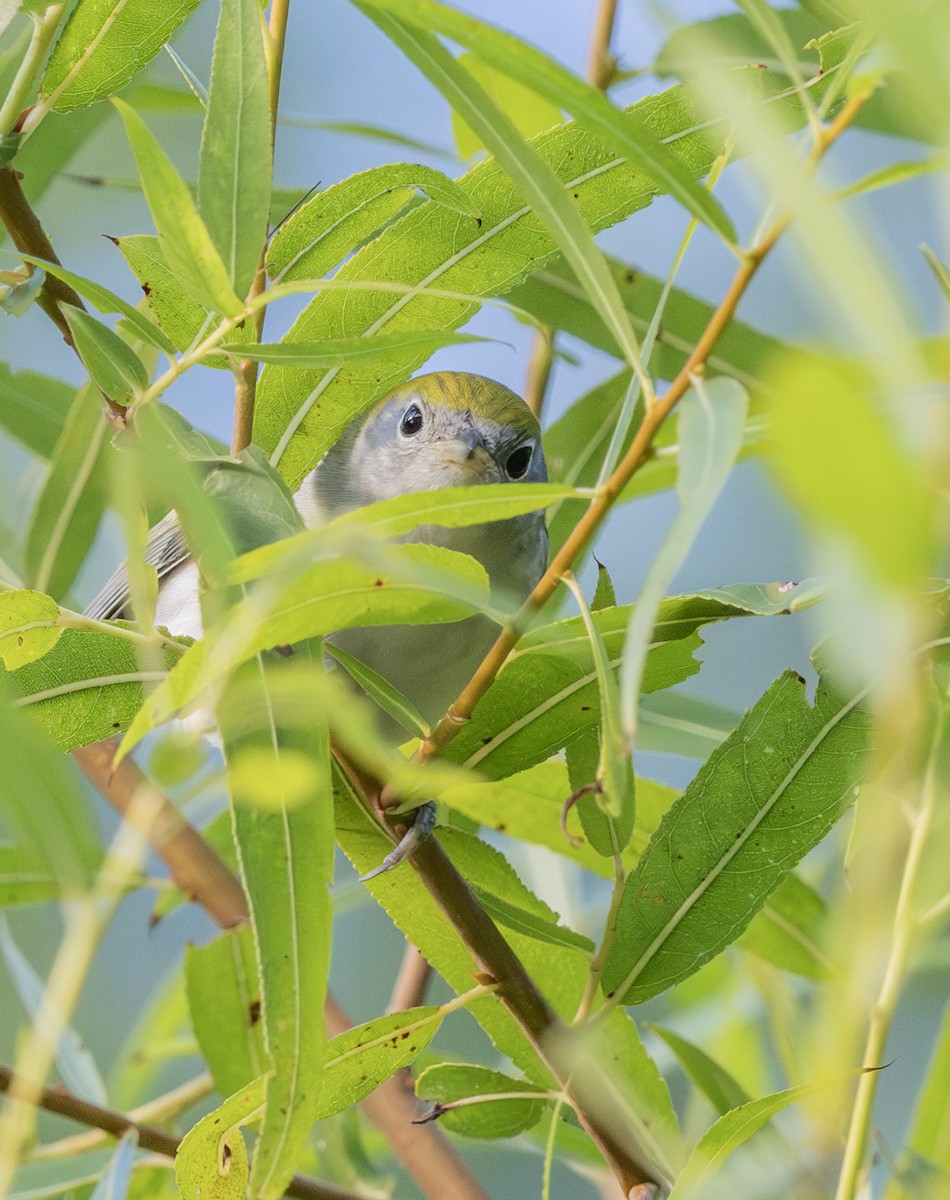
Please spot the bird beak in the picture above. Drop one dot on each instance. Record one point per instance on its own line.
(466, 450)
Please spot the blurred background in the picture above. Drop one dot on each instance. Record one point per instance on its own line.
(340, 69)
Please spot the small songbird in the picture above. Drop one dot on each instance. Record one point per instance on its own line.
(444, 429)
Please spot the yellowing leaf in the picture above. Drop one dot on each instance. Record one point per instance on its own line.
(28, 628)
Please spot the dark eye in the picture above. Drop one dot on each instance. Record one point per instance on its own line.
(518, 461)
(411, 420)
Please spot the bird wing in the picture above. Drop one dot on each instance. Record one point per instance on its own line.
(165, 550)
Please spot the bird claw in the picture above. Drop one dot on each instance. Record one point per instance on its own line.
(420, 830)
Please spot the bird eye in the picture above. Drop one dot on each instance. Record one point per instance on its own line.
(411, 420)
(518, 461)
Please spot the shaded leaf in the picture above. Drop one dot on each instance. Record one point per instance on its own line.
(234, 175)
(452, 1088)
(763, 800)
(111, 362)
(33, 408)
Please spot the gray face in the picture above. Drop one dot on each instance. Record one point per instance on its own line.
(410, 445)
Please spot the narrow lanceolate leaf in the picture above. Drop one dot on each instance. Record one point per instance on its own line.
(341, 352)
(448, 507)
(362, 1058)
(431, 247)
(105, 301)
(184, 237)
(726, 1136)
(212, 1157)
(561, 87)
(477, 1102)
(533, 177)
(69, 508)
(530, 113)
(33, 408)
(24, 877)
(765, 798)
(113, 365)
(234, 174)
(326, 228)
(710, 425)
(224, 999)
(104, 44)
(179, 315)
(286, 857)
(44, 804)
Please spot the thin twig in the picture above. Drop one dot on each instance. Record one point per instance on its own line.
(601, 64)
(539, 369)
(58, 1100)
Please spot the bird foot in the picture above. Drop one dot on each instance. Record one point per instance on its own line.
(423, 822)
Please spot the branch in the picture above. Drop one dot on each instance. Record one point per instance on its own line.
(601, 64)
(64, 1104)
(28, 235)
(194, 866)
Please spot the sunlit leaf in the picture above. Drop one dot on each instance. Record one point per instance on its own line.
(212, 1159)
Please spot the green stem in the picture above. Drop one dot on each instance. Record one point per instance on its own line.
(882, 1014)
(44, 27)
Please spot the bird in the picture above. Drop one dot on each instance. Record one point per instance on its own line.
(438, 430)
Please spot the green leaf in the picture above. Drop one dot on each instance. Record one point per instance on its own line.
(297, 416)
(561, 87)
(234, 175)
(533, 177)
(843, 463)
(675, 722)
(416, 584)
(725, 1136)
(178, 314)
(893, 173)
(455, 1089)
(24, 877)
(212, 1159)
(286, 858)
(112, 364)
(382, 693)
(104, 44)
(324, 230)
(43, 802)
(719, 1087)
(450, 508)
(69, 508)
(183, 235)
(529, 112)
(341, 352)
(224, 999)
(29, 627)
(604, 594)
(763, 800)
(787, 932)
(362, 1058)
(105, 302)
(89, 687)
(710, 426)
(33, 408)
(554, 296)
